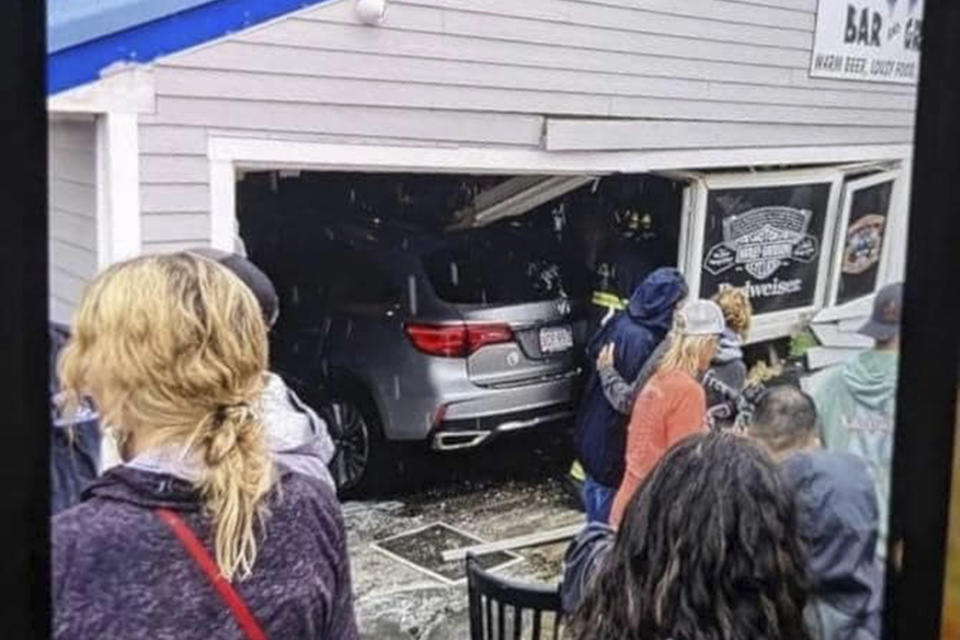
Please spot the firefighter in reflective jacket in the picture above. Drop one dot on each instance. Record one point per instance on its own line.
(622, 265)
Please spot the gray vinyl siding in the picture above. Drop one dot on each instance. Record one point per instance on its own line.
(557, 74)
(73, 213)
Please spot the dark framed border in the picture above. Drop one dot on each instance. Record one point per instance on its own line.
(926, 397)
(24, 428)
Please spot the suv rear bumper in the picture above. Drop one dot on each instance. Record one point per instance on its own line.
(451, 436)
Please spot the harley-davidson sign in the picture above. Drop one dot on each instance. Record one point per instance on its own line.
(768, 240)
(762, 240)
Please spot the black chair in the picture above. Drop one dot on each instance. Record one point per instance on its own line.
(491, 597)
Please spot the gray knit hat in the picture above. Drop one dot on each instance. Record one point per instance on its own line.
(258, 282)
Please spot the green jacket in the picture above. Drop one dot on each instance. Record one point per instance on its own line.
(856, 403)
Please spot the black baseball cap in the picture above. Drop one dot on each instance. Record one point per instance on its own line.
(884, 323)
(251, 275)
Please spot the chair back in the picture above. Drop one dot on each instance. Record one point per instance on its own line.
(501, 609)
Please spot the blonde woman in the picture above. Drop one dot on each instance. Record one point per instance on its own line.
(197, 534)
(725, 379)
(672, 404)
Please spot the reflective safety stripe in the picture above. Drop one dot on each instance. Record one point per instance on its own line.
(603, 299)
(577, 472)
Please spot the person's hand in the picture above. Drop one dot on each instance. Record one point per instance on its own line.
(605, 358)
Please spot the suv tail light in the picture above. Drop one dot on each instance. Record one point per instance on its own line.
(456, 340)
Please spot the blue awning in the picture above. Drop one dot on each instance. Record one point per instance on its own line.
(84, 37)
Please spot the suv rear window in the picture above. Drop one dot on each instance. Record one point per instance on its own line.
(492, 272)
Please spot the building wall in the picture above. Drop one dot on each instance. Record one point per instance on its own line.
(72, 188)
(692, 74)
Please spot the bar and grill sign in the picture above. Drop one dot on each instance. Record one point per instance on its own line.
(871, 40)
(767, 239)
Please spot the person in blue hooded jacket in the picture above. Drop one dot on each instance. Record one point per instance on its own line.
(600, 433)
(837, 515)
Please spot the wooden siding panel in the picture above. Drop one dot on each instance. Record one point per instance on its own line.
(308, 89)
(173, 169)
(168, 227)
(285, 60)
(298, 33)
(373, 121)
(288, 62)
(788, 35)
(653, 108)
(72, 200)
(70, 287)
(160, 140)
(77, 229)
(73, 259)
(798, 15)
(187, 140)
(74, 197)
(569, 135)
(174, 198)
(398, 43)
(510, 29)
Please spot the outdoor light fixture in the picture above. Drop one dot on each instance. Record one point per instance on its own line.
(371, 11)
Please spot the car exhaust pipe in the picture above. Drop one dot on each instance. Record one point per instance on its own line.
(453, 440)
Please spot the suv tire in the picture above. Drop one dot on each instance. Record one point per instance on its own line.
(361, 464)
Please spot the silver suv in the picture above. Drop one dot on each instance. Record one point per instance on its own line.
(447, 339)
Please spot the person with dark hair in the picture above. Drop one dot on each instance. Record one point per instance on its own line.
(857, 400)
(707, 548)
(600, 435)
(837, 515)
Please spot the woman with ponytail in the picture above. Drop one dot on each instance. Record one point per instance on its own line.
(198, 534)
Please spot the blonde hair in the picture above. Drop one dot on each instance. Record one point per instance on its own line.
(684, 351)
(175, 346)
(762, 372)
(734, 302)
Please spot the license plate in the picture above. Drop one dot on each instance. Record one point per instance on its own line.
(556, 339)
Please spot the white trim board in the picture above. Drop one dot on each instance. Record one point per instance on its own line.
(128, 90)
(118, 187)
(258, 153)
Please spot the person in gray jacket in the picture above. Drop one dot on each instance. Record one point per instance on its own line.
(295, 433)
(727, 375)
(618, 392)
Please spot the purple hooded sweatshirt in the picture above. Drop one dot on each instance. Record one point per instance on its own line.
(119, 572)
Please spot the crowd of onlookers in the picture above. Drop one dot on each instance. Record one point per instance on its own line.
(719, 509)
(209, 511)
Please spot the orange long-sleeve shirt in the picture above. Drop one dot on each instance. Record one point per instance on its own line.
(670, 407)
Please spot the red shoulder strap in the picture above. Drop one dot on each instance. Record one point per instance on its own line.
(226, 591)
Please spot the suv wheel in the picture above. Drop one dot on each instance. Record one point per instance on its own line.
(351, 433)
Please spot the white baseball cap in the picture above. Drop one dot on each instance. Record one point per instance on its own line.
(701, 318)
